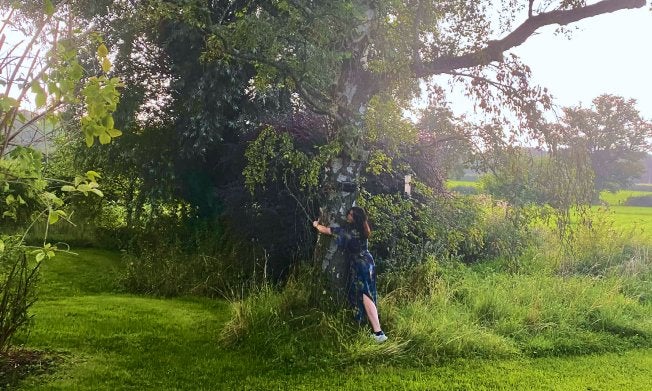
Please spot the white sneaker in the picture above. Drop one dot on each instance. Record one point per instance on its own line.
(379, 338)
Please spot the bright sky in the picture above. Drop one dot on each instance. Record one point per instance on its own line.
(610, 53)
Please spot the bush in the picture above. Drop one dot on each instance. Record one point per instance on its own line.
(641, 187)
(18, 279)
(406, 231)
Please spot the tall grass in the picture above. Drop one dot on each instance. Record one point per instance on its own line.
(587, 293)
(109, 341)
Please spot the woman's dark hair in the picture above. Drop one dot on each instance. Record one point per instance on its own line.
(360, 221)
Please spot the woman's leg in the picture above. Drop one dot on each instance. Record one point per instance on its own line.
(372, 313)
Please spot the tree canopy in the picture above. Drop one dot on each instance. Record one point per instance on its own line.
(615, 136)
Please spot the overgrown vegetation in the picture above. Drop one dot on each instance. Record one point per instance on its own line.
(586, 294)
(96, 337)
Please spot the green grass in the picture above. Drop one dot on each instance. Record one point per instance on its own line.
(624, 217)
(619, 197)
(451, 184)
(637, 217)
(114, 341)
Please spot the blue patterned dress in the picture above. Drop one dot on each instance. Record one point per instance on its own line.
(362, 270)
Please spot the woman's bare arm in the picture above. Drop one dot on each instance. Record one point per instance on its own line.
(322, 228)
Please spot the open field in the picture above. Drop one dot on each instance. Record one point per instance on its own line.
(108, 340)
(638, 218)
(619, 197)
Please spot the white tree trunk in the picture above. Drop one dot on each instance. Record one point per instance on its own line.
(339, 196)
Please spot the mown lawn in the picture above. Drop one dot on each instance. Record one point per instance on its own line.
(108, 340)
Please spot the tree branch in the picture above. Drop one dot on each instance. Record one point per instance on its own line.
(495, 49)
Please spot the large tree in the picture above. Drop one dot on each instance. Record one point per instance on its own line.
(339, 56)
(615, 136)
(356, 62)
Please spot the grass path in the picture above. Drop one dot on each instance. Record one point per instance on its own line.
(114, 341)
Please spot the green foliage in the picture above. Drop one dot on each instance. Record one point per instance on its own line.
(385, 123)
(615, 136)
(596, 246)
(639, 201)
(28, 195)
(620, 197)
(272, 156)
(406, 231)
(18, 278)
(288, 43)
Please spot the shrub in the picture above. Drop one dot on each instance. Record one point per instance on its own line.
(18, 279)
(406, 231)
(641, 187)
(466, 190)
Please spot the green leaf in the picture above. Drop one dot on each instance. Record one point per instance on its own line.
(40, 100)
(106, 65)
(10, 199)
(114, 132)
(41, 96)
(2, 246)
(53, 218)
(89, 140)
(105, 138)
(102, 51)
(108, 122)
(7, 102)
(98, 192)
(68, 188)
(48, 8)
(40, 256)
(92, 175)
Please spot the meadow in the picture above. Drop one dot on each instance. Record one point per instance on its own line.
(637, 218)
(97, 337)
(535, 322)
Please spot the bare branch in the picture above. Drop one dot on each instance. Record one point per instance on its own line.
(495, 49)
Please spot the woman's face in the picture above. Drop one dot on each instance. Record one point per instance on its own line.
(349, 217)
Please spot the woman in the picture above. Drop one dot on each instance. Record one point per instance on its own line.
(362, 292)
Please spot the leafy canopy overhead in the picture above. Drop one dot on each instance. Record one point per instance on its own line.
(337, 54)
